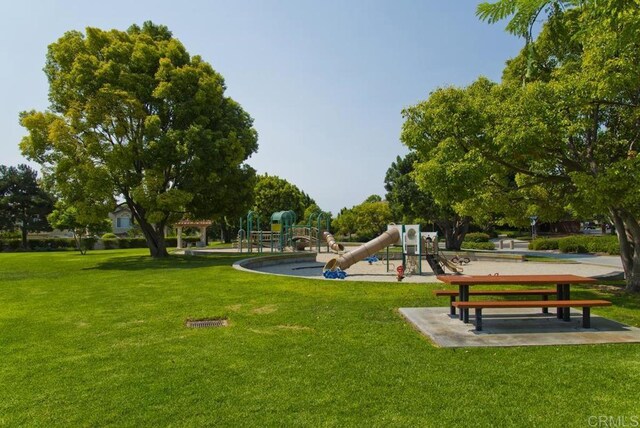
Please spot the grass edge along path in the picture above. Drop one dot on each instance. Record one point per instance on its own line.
(100, 340)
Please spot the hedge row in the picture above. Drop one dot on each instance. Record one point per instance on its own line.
(466, 245)
(578, 244)
(476, 237)
(57, 244)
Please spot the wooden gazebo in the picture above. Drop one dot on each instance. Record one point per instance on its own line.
(202, 224)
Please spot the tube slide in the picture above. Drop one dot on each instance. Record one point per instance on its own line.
(343, 262)
(331, 242)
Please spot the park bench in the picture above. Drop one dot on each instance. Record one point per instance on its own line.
(453, 294)
(586, 306)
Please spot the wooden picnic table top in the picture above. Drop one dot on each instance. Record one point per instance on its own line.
(514, 279)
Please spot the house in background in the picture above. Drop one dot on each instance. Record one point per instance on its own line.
(121, 220)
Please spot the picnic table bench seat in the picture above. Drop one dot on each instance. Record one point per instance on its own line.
(453, 294)
(586, 306)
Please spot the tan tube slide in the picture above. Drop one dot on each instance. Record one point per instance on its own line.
(331, 242)
(365, 250)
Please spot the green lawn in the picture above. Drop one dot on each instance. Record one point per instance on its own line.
(100, 340)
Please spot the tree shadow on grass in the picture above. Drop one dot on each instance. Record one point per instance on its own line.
(134, 263)
(619, 298)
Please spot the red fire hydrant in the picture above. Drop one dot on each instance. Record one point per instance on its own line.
(400, 270)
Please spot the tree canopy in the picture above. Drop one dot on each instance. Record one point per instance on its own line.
(273, 194)
(564, 119)
(135, 117)
(366, 220)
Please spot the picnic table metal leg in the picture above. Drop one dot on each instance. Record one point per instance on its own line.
(559, 294)
(545, 298)
(566, 312)
(478, 319)
(452, 300)
(586, 317)
(465, 311)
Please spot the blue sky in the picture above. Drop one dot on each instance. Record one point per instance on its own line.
(325, 81)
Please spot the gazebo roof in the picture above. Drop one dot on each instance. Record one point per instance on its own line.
(193, 223)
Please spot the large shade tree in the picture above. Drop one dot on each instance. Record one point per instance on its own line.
(24, 204)
(273, 194)
(134, 117)
(448, 177)
(366, 220)
(569, 109)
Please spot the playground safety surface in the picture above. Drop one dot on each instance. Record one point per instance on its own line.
(377, 271)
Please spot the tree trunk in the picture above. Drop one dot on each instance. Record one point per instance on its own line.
(454, 232)
(23, 230)
(155, 239)
(628, 232)
(225, 232)
(77, 237)
(154, 235)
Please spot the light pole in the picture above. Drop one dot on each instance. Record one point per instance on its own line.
(534, 220)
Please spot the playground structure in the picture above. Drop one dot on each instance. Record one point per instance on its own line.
(283, 234)
(414, 243)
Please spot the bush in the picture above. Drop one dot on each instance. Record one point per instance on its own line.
(572, 245)
(88, 243)
(590, 244)
(109, 236)
(478, 245)
(544, 244)
(132, 243)
(11, 244)
(515, 234)
(110, 244)
(476, 237)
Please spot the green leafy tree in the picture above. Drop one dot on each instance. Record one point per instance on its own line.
(411, 204)
(345, 223)
(367, 220)
(457, 181)
(273, 194)
(134, 116)
(24, 205)
(313, 210)
(65, 217)
(574, 124)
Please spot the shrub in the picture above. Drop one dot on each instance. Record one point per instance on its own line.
(571, 245)
(132, 243)
(109, 236)
(514, 234)
(476, 237)
(478, 245)
(589, 244)
(11, 244)
(544, 244)
(110, 244)
(88, 243)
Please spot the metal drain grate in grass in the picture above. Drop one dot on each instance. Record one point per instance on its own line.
(214, 322)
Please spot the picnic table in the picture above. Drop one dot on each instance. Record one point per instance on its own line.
(562, 283)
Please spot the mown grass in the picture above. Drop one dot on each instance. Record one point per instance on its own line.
(100, 340)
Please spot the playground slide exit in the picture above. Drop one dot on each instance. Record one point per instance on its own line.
(368, 249)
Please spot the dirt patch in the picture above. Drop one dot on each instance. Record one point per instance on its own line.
(234, 308)
(268, 309)
(295, 327)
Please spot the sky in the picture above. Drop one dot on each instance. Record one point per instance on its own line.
(325, 81)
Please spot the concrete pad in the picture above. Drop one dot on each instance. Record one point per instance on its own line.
(516, 327)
